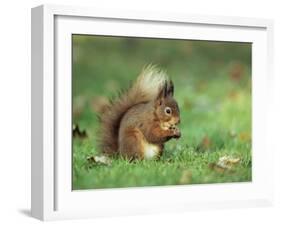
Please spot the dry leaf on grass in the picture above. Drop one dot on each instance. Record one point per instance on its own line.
(102, 159)
(225, 163)
(228, 162)
(77, 133)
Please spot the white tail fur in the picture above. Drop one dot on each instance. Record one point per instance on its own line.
(150, 81)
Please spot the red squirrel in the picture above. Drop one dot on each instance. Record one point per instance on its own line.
(138, 123)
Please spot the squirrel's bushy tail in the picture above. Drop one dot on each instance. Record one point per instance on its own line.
(144, 89)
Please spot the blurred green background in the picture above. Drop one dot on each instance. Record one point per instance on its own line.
(212, 86)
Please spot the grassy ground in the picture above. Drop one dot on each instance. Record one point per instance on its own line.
(212, 86)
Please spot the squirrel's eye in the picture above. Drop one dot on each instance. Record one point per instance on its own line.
(168, 110)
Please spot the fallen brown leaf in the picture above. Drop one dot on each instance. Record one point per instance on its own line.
(102, 159)
(77, 133)
(227, 162)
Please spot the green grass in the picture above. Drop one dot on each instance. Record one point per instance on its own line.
(212, 86)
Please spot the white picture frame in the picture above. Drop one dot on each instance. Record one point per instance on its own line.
(52, 196)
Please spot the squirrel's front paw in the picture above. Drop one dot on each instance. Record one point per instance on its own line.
(177, 133)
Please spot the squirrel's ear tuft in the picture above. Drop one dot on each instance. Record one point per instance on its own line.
(170, 88)
(162, 94)
(165, 89)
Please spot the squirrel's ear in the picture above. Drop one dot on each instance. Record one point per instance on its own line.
(170, 88)
(162, 94)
